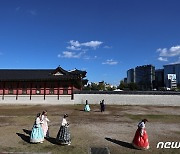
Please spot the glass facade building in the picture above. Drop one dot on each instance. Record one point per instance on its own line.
(172, 69)
(159, 78)
(131, 76)
(145, 76)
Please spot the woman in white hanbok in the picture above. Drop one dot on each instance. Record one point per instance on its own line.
(45, 124)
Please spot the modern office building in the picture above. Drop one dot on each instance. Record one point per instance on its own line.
(131, 76)
(172, 75)
(159, 79)
(145, 76)
(125, 80)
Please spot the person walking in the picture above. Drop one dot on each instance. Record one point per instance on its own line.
(44, 125)
(140, 140)
(63, 136)
(37, 135)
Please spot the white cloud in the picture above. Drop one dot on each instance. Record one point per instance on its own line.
(76, 45)
(89, 58)
(110, 62)
(162, 59)
(171, 52)
(92, 44)
(73, 48)
(107, 47)
(69, 54)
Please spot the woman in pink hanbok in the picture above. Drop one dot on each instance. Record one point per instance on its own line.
(45, 124)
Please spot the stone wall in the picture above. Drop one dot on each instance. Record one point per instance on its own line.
(36, 99)
(115, 99)
(128, 99)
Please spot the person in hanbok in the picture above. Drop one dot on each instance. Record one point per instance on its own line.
(37, 135)
(63, 136)
(87, 107)
(102, 106)
(140, 140)
(45, 124)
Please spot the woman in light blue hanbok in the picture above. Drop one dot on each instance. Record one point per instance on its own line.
(87, 107)
(37, 134)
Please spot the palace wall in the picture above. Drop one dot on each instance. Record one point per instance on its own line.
(129, 99)
(110, 99)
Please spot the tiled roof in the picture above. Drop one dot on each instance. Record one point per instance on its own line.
(36, 74)
(76, 71)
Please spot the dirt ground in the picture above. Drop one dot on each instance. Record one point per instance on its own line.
(114, 128)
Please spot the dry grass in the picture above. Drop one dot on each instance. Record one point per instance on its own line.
(114, 128)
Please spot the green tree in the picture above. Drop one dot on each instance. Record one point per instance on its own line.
(122, 85)
(132, 86)
(94, 86)
(101, 86)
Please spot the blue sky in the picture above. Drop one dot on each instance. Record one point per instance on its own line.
(103, 37)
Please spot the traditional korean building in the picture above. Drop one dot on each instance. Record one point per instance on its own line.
(42, 82)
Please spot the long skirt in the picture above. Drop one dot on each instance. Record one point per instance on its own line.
(141, 142)
(87, 108)
(37, 134)
(63, 136)
(45, 129)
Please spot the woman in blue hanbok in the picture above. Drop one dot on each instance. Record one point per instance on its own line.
(37, 135)
(87, 107)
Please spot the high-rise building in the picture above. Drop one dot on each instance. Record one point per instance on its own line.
(145, 76)
(172, 75)
(125, 80)
(131, 76)
(159, 78)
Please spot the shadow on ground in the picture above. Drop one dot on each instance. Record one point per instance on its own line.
(121, 143)
(51, 140)
(24, 137)
(28, 132)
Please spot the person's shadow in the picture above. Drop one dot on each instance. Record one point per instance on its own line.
(28, 132)
(51, 140)
(121, 143)
(24, 137)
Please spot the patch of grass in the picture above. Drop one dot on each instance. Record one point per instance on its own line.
(177, 132)
(155, 118)
(54, 149)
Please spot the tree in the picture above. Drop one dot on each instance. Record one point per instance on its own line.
(122, 85)
(132, 86)
(101, 86)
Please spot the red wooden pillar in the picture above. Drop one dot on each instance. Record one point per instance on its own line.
(17, 87)
(72, 94)
(30, 90)
(58, 90)
(44, 90)
(3, 90)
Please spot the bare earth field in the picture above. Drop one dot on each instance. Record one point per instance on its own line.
(114, 129)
